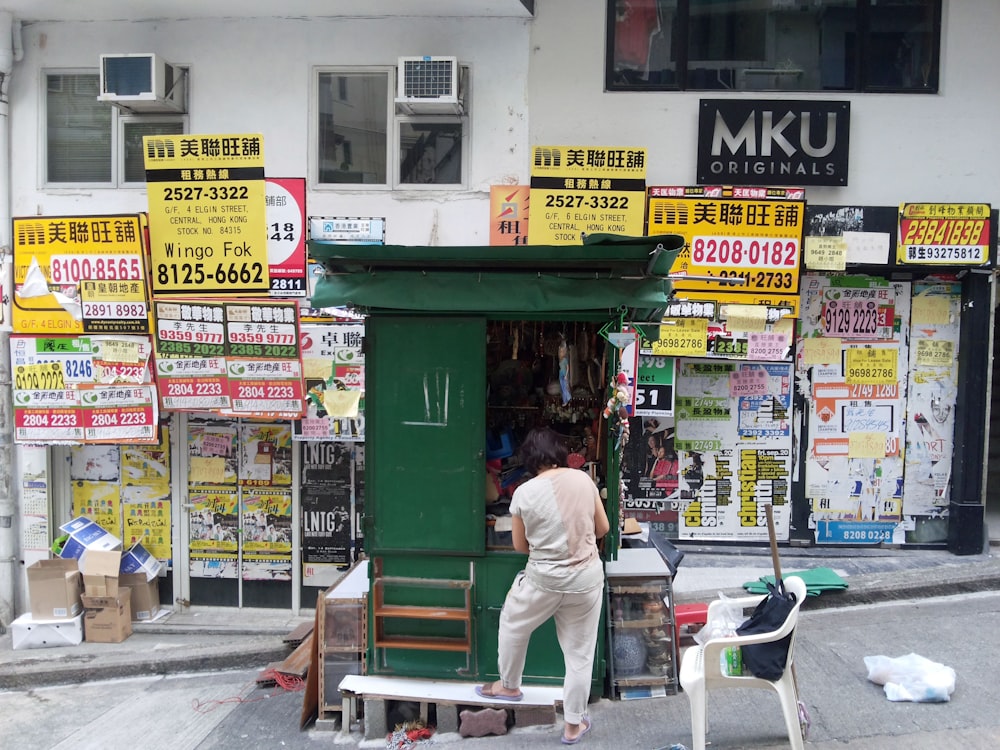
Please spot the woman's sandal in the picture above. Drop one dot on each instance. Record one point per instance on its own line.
(587, 725)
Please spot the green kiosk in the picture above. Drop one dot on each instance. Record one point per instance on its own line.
(467, 348)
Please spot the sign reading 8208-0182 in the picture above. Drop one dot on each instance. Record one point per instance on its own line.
(207, 223)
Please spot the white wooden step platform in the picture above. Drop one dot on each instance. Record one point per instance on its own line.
(442, 691)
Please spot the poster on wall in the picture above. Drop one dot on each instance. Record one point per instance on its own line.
(932, 392)
(285, 205)
(212, 453)
(327, 502)
(509, 214)
(34, 506)
(57, 259)
(334, 368)
(851, 356)
(650, 472)
(100, 502)
(266, 534)
(734, 439)
(207, 217)
(265, 455)
(214, 519)
(83, 389)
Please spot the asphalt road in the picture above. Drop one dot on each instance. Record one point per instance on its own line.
(224, 710)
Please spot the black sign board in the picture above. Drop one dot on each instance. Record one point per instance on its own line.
(773, 142)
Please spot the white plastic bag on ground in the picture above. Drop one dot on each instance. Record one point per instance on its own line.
(912, 678)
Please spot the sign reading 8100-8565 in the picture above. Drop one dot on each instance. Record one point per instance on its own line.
(207, 226)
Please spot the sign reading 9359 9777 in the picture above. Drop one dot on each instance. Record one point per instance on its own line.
(207, 222)
(951, 234)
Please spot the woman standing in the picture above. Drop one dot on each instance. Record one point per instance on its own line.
(557, 519)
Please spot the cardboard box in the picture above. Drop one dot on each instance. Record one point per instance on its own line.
(54, 588)
(107, 619)
(28, 631)
(140, 560)
(145, 595)
(84, 534)
(100, 572)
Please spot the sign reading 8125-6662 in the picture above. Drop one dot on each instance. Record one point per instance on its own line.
(207, 224)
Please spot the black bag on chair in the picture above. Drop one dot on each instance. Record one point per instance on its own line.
(767, 660)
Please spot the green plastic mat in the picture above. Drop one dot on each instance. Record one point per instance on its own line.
(817, 581)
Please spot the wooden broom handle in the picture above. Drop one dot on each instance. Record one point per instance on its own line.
(769, 512)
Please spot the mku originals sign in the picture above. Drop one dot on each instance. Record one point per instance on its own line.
(773, 142)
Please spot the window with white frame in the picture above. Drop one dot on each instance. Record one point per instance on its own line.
(362, 142)
(883, 46)
(88, 142)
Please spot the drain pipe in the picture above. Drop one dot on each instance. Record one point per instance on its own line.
(10, 51)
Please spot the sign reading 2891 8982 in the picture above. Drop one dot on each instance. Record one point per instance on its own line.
(207, 226)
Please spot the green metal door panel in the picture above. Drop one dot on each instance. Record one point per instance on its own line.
(426, 407)
(544, 663)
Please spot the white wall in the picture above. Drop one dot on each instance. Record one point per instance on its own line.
(254, 76)
(903, 147)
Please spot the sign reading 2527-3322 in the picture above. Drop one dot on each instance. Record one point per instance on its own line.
(207, 225)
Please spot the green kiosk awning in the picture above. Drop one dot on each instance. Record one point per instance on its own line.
(605, 273)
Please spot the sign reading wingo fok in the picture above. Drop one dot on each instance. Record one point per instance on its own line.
(207, 222)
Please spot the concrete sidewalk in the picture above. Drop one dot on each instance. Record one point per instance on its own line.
(208, 639)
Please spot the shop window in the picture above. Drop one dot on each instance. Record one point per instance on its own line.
(773, 45)
(88, 142)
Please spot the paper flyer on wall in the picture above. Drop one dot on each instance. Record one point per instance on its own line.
(851, 357)
(735, 447)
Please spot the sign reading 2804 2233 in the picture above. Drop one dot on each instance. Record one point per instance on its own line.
(207, 225)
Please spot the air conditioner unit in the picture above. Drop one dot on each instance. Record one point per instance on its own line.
(429, 86)
(143, 83)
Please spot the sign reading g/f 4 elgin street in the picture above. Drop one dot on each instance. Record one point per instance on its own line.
(207, 226)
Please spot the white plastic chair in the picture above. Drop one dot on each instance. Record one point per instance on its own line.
(701, 668)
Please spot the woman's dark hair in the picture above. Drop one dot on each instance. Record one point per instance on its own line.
(543, 447)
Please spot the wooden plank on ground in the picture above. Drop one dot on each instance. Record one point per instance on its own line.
(310, 696)
(298, 635)
(297, 662)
